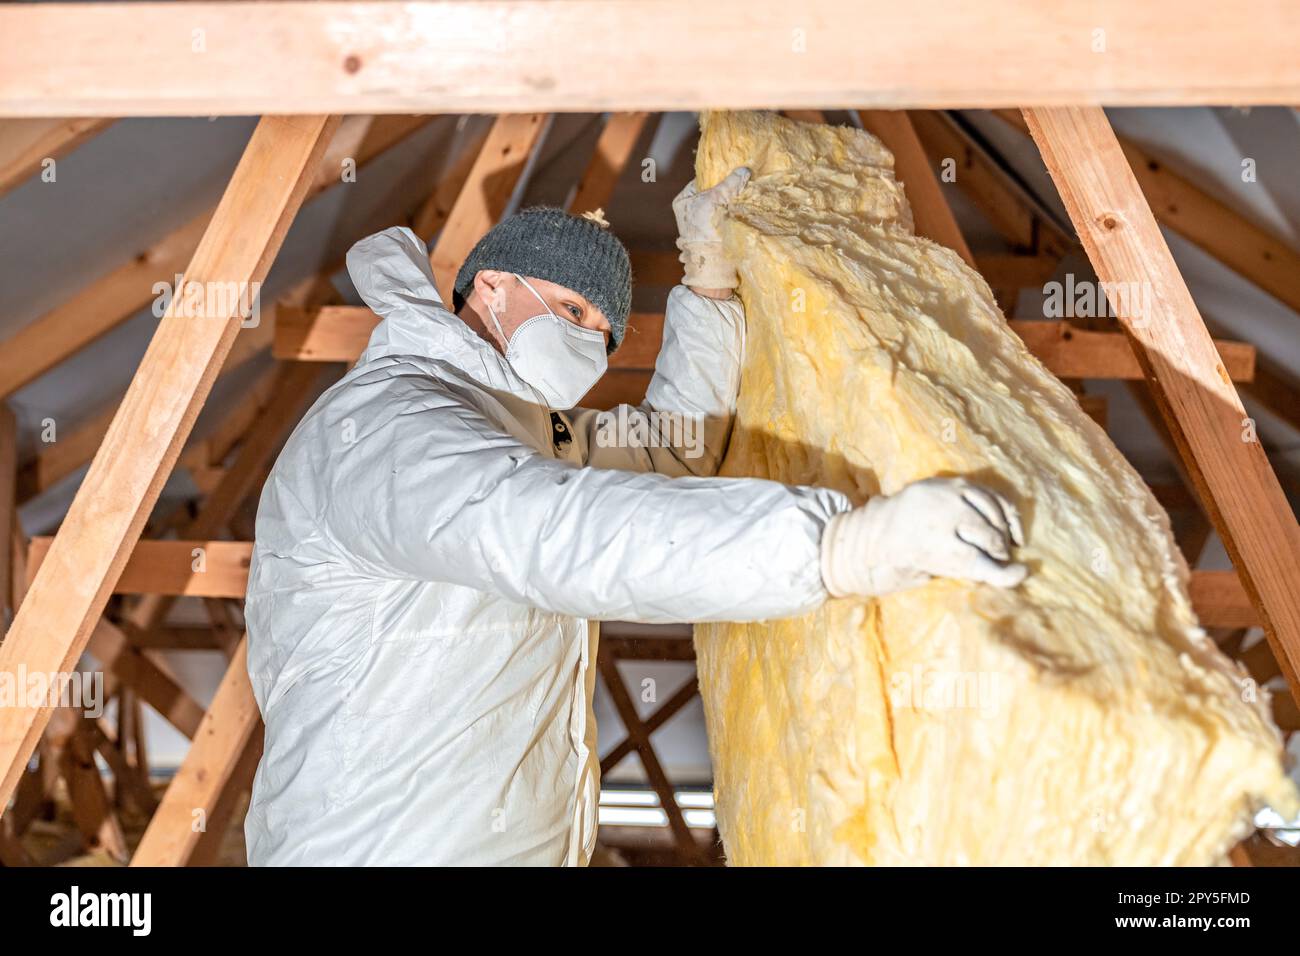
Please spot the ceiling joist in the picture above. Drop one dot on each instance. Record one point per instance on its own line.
(213, 59)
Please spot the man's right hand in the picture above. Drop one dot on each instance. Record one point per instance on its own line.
(939, 527)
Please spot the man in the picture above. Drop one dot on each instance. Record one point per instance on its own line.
(440, 528)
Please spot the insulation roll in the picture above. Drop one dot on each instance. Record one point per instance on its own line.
(1081, 718)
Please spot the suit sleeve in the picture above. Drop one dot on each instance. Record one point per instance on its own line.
(432, 491)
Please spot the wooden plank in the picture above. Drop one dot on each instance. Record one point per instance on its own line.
(930, 213)
(357, 57)
(1071, 352)
(211, 452)
(613, 150)
(221, 813)
(1224, 233)
(25, 144)
(663, 268)
(1204, 220)
(1220, 600)
(92, 811)
(433, 212)
(1276, 389)
(58, 459)
(169, 567)
(1095, 407)
(340, 333)
(1003, 201)
(294, 385)
(104, 521)
(638, 734)
(1016, 272)
(130, 665)
(1194, 393)
(119, 294)
(486, 192)
(209, 766)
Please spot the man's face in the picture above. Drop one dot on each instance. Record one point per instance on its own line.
(514, 304)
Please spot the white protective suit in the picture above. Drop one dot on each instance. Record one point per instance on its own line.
(430, 547)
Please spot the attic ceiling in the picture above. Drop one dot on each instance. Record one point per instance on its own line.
(134, 183)
(141, 178)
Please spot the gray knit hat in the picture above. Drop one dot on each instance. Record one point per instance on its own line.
(576, 252)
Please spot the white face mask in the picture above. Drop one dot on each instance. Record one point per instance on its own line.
(557, 358)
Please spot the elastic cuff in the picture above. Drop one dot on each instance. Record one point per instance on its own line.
(705, 265)
(831, 540)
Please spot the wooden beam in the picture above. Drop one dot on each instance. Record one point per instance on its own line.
(485, 193)
(226, 568)
(433, 212)
(1027, 270)
(92, 810)
(1277, 390)
(25, 144)
(930, 212)
(638, 736)
(1206, 221)
(1071, 352)
(119, 294)
(104, 521)
(1002, 200)
(205, 459)
(221, 812)
(130, 665)
(613, 150)
(1015, 271)
(644, 54)
(193, 567)
(1221, 601)
(1195, 396)
(69, 452)
(217, 752)
(340, 333)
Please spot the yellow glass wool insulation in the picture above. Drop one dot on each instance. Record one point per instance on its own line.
(1083, 718)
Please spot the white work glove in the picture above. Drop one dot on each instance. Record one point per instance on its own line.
(939, 527)
(699, 215)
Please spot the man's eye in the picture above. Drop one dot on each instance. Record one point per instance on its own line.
(575, 311)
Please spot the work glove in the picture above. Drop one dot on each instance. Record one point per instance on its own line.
(699, 216)
(939, 527)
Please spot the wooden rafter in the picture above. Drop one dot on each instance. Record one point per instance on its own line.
(105, 519)
(1002, 200)
(25, 144)
(339, 334)
(1194, 394)
(930, 212)
(226, 751)
(433, 212)
(1253, 253)
(487, 189)
(652, 54)
(613, 150)
(1208, 222)
(119, 294)
(638, 740)
(230, 724)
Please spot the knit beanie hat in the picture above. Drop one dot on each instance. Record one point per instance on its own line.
(577, 252)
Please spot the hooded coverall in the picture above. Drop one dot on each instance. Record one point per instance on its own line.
(430, 547)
